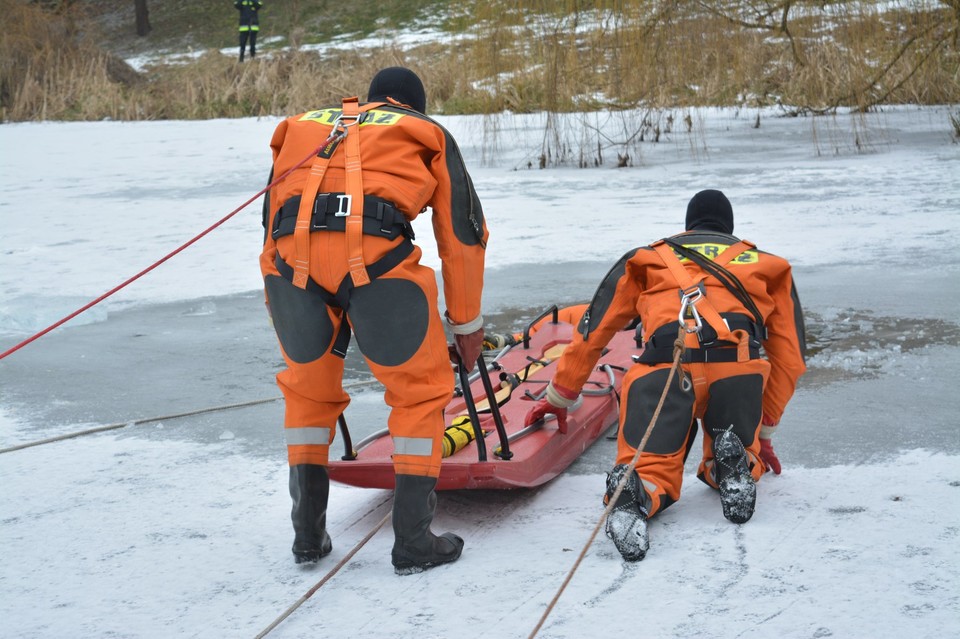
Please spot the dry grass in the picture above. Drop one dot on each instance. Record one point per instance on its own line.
(568, 56)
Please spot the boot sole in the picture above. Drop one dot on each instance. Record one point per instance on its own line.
(313, 556)
(738, 490)
(628, 530)
(404, 567)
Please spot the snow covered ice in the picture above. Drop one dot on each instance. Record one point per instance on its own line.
(180, 527)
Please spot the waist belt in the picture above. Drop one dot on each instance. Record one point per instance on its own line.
(330, 210)
(714, 354)
(659, 347)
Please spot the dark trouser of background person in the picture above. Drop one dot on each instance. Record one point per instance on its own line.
(248, 33)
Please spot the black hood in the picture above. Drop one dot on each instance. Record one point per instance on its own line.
(401, 84)
(710, 210)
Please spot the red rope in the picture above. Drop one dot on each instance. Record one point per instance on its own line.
(161, 260)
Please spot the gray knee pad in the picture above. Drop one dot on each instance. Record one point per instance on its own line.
(670, 432)
(300, 319)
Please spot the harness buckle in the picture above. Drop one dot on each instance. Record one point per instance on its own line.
(344, 202)
(688, 305)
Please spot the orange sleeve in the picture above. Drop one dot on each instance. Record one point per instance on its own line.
(460, 231)
(785, 345)
(271, 205)
(613, 306)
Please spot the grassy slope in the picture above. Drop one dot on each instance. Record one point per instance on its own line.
(184, 24)
(523, 56)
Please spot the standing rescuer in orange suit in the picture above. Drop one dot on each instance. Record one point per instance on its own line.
(744, 354)
(338, 256)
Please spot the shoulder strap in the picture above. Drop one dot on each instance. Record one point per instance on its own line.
(688, 283)
(354, 189)
(301, 230)
(733, 251)
(350, 117)
(725, 277)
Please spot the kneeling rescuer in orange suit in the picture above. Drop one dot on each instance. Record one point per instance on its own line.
(733, 300)
(338, 257)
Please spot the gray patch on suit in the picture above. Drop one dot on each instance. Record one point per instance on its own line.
(300, 319)
(389, 318)
(735, 400)
(676, 417)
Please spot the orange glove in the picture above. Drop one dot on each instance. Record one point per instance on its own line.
(769, 458)
(556, 402)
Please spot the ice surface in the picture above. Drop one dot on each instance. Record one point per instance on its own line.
(180, 527)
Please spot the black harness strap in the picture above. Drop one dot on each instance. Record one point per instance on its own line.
(663, 355)
(341, 299)
(666, 335)
(659, 346)
(380, 217)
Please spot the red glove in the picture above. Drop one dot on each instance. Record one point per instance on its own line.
(469, 343)
(469, 347)
(768, 456)
(541, 409)
(549, 405)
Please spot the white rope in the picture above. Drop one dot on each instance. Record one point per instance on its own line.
(199, 411)
(289, 611)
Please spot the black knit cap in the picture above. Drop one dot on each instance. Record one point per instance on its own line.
(398, 83)
(710, 210)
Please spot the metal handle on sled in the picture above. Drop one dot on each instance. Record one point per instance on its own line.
(504, 450)
(472, 408)
(556, 320)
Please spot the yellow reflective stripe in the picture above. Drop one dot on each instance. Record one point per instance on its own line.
(711, 251)
(308, 436)
(329, 117)
(422, 446)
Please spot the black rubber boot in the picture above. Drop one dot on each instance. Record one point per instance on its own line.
(738, 490)
(627, 522)
(310, 490)
(416, 548)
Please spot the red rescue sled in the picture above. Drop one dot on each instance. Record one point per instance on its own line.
(509, 455)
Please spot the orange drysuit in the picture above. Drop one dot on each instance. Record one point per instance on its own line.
(405, 162)
(732, 382)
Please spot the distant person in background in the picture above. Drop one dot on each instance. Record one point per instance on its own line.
(249, 24)
(744, 338)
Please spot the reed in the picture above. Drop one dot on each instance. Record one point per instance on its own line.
(645, 63)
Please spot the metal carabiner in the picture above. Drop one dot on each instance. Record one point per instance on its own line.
(341, 124)
(688, 301)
